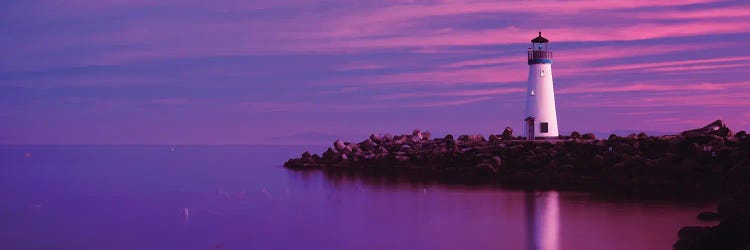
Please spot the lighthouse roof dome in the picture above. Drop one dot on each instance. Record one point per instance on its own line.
(540, 39)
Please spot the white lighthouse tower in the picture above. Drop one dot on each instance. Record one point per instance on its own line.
(541, 116)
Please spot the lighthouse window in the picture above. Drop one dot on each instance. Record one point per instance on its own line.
(532, 92)
(542, 73)
(543, 127)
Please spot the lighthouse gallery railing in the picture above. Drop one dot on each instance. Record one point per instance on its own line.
(539, 54)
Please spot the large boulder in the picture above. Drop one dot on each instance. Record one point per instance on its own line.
(367, 144)
(715, 128)
(387, 138)
(471, 138)
(507, 134)
(494, 138)
(612, 137)
(740, 135)
(450, 144)
(588, 136)
(575, 135)
(399, 139)
(426, 135)
(496, 162)
(376, 138)
(642, 135)
(339, 145)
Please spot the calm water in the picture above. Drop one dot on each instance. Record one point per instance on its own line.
(239, 197)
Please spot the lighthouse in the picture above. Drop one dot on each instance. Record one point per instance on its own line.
(541, 116)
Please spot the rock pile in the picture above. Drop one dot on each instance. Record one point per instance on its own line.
(699, 157)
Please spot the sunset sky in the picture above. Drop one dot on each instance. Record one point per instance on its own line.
(308, 71)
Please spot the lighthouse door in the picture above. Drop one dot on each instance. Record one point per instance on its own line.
(530, 128)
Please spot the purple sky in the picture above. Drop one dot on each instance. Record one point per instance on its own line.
(308, 71)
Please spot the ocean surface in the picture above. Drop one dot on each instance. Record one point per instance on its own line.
(240, 197)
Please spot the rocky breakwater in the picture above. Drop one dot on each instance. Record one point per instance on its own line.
(697, 158)
(709, 159)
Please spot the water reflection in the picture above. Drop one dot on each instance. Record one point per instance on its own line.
(541, 209)
(417, 212)
(542, 220)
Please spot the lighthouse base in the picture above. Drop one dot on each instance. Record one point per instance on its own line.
(544, 138)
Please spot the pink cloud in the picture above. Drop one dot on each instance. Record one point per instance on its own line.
(627, 51)
(455, 93)
(172, 101)
(447, 103)
(373, 28)
(701, 67)
(364, 65)
(343, 90)
(449, 77)
(266, 107)
(736, 99)
(485, 62)
(582, 55)
(666, 64)
(402, 15)
(514, 35)
(646, 113)
(709, 13)
(652, 87)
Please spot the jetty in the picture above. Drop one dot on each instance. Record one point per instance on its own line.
(709, 159)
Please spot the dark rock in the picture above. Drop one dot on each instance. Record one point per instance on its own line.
(485, 165)
(376, 138)
(348, 149)
(588, 136)
(330, 156)
(692, 232)
(575, 135)
(507, 134)
(471, 138)
(612, 137)
(494, 138)
(339, 145)
(598, 161)
(715, 128)
(426, 135)
(632, 136)
(740, 135)
(387, 138)
(367, 144)
(708, 216)
(496, 162)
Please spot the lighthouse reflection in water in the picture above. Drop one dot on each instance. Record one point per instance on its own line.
(542, 220)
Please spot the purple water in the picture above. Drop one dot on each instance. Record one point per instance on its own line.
(239, 197)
